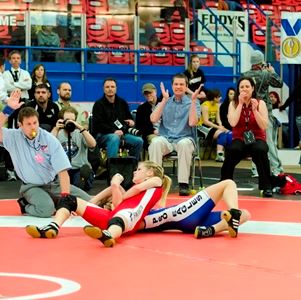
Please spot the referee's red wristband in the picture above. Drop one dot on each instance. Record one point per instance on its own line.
(65, 194)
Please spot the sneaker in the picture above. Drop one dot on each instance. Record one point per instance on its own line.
(232, 217)
(184, 189)
(203, 232)
(11, 176)
(220, 157)
(49, 231)
(22, 203)
(268, 193)
(103, 235)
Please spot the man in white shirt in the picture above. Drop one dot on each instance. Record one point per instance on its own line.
(17, 78)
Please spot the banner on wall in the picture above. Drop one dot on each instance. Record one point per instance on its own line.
(12, 19)
(226, 18)
(290, 45)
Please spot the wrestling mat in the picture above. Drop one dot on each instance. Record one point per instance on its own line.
(262, 263)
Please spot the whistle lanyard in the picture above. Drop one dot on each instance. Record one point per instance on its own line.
(246, 116)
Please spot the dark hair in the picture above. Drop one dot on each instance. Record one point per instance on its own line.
(190, 70)
(278, 101)
(42, 86)
(33, 73)
(70, 109)
(64, 82)
(252, 82)
(180, 75)
(109, 79)
(14, 52)
(211, 94)
(27, 112)
(226, 99)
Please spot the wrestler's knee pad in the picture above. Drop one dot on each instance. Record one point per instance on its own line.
(69, 202)
(118, 222)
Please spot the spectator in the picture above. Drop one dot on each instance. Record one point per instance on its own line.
(76, 141)
(196, 76)
(17, 78)
(223, 109)
(147, 32)
(211, 119)
(282, 120)
(64, 92)
(265, 76)
(48, 38)
(248, 117)
(39, 161)
(178, 115)
(38, 76)
(48, 110)
(146, 128)
(295, 97)
(111, 119)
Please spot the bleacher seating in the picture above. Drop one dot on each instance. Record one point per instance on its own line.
(97, 30)
(178, 59)
(206, 59)
(177, 33)
(162, 58)
(94, 7)
(118, 31)
(118, 57)
(162, 31)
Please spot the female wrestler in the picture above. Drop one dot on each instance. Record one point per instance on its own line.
(130, 207)
(196, 215)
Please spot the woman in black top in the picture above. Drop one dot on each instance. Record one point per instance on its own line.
(223, 110)
(38, 77)
(195, 76)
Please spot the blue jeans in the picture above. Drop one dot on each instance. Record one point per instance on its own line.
(112, 142)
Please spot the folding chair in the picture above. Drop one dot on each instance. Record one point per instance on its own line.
(196, 162)
(207, 143)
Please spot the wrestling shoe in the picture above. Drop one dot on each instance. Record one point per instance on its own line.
(103, 235)
(203, 232)
(232, 216)
(49, 231)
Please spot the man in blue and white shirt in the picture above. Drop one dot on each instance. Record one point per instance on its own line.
(178, 115)
(39, 161)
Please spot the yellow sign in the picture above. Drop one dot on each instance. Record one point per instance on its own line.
(291, 47)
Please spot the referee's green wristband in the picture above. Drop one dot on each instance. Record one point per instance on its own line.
(7, 110)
